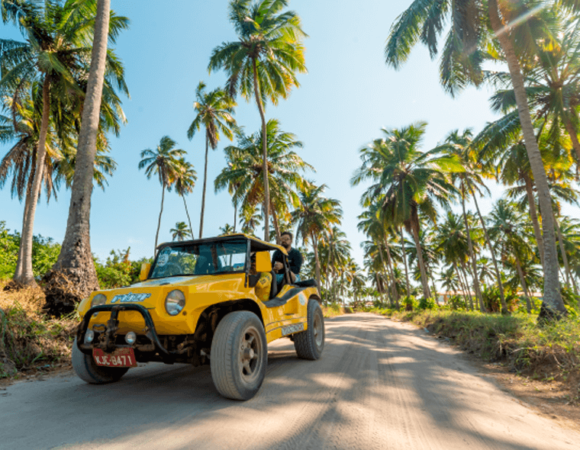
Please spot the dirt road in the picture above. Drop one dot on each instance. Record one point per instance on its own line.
(379, 385)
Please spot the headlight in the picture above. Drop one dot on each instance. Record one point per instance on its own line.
(89, 336)
(130, 337)
(174, 302)
(98, 300)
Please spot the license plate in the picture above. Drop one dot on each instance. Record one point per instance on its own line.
(122, 357)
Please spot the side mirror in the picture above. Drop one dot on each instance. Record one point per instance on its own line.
(263, 263)
(145, 268)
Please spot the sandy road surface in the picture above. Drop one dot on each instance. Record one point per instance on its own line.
(379, 385)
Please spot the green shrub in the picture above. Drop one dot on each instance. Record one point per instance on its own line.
(410, 303)
(427, 303)
(456, 303)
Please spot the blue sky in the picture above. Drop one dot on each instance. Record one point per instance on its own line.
(348, 95)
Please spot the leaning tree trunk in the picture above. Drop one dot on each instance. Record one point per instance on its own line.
(424, 281)
(264, 156)
(504, 308)
(405, 261)
(204, 186)
(75, 263)
(461, 283)
(552, 305)
(189, 218)
(24, 275)
(472, 254)
(316, 260)
(389, 277)
(534, 217)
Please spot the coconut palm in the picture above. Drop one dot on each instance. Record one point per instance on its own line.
(185, 179)
(552, 83)
(470, 182)
(214, 113)
(226, 230)
(313, 216)
(54, 55)
(411, 182)
(244, 171)
(262, 63)
(180, 232)
(164, 162)
(514, 31)
(507, 229)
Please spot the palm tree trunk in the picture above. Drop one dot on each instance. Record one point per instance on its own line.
(276, 225)
(26, 275)
(405, 261)
(204, 186)
(392, 272)
(159, 221)
(563, 252)
(317, 261)
(472, 254)
(187, 214)
(464, 270)
(424, 281)
(572, 133)
(552, 304)
(264, 156)
(523, 282)
(504, 308)
(462, 283)
(76, 258)
(389, 276)
(235, 215)
(25, 216)
(534, 217)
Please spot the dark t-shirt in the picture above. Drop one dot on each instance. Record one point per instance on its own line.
(294, 259)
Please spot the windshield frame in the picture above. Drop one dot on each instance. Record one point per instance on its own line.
(212, 243)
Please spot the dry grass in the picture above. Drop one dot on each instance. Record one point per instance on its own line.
(335, 310)
(29, 340)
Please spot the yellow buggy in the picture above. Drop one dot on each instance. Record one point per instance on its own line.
(208, 301)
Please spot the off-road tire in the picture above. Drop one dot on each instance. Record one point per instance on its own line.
(310, 343)
(230, 348)
(87, 370)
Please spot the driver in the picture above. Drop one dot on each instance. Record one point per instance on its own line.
(295, 259)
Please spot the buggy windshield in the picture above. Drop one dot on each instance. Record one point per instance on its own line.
(201, 259)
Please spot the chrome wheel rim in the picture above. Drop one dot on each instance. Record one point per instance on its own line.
(318, 331)
(250, 354)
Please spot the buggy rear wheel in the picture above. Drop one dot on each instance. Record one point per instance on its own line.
(310, 343)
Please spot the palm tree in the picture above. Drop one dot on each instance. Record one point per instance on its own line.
(262, 63)
(245, 167)
(410, 182)
(214, 112)
(54, 55)
(180, 232)
(506, 228)
(314, 215)
(164, 162)
(520, 31)
(470, 181)
(185, 179)
(226, 230)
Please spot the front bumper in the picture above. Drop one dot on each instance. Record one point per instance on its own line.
(108, 344)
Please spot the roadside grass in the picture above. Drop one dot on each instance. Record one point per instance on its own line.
(334, 310)
(29, 340)
(549, 352)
